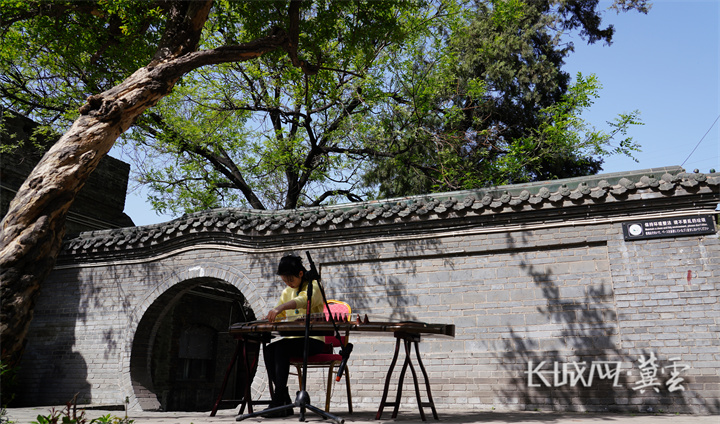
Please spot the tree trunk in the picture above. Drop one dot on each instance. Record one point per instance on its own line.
(33, 228)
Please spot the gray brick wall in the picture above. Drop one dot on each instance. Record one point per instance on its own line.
(537, 278)
(559, 295)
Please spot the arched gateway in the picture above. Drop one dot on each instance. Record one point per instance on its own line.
(545, 283)
(177, 353)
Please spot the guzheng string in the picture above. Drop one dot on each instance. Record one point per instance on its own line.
(319, 316)
(356, 318)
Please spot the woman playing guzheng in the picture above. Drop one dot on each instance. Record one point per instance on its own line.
(292, 304)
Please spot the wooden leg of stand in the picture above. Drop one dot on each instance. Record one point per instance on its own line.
(271, 387)
(408, 352)
(250, 368)
(427, 381)
(329, 387)
(247, 395)
(401, 380)
(387, 379)
(225, 379)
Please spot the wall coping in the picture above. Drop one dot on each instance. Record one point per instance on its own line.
(615, 194)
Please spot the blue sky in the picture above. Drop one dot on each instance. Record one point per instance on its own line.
(665, 64)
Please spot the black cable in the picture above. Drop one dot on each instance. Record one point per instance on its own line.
(703, 138)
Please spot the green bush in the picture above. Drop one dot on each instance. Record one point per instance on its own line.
(69, 415)
(7, 385)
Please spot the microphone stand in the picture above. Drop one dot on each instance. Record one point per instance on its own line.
(302, 400)
(345, 349)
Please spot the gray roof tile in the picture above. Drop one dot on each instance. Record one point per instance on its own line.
(548, 195)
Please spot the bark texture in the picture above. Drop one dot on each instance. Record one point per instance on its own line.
(33, 228)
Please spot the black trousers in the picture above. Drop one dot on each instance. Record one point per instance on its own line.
(277, 357)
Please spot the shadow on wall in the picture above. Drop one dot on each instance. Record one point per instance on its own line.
(360, 275)
(571, 361)
(52, 372)
(378, 280)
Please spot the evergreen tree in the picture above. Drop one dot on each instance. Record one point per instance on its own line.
(501, 109)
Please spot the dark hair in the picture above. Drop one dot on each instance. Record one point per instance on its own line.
(291, 265)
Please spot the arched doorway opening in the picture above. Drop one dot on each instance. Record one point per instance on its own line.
(182, 346)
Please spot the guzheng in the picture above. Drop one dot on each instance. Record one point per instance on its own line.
(322, 327)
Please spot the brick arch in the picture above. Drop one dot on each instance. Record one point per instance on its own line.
(136, 383)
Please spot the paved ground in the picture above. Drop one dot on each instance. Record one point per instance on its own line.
(28, 415)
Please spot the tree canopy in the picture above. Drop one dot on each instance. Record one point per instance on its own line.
(264, 133)
(499, 109)
(383, 102)
(100, 65)
(475, 96)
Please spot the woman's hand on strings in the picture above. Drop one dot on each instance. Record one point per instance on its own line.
(274, 312)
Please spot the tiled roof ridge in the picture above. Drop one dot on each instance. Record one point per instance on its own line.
(494, 200)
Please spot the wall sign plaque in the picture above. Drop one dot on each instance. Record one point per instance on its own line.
(669, 227)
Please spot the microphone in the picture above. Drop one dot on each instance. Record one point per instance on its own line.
(345, 352)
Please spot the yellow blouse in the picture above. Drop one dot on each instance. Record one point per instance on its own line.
(300, 299)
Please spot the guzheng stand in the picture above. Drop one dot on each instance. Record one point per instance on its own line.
(408, 340)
